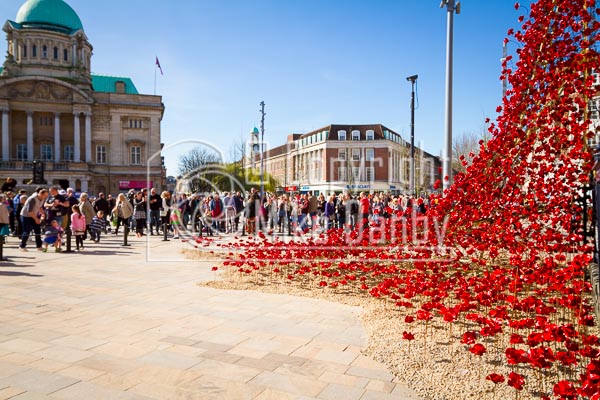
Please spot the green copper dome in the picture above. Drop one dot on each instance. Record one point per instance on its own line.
(48, 14)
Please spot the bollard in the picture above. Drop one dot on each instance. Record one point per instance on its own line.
(2, 241)
(165, 239)
(69, 235)
(125, 234)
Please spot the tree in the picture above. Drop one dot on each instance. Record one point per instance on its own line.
(467, 146)
(237, 151)
(198, 168)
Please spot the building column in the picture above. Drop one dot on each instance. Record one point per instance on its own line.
(84, 185)
(57, 137)
(76, 138)
(5, 136)
(88, 137)
(29, 135)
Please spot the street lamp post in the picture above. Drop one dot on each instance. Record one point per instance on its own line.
(451, 7)
(412, 79)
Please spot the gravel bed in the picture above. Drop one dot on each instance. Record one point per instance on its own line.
(435, 364)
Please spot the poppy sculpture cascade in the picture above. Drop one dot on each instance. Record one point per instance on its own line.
(517, 270)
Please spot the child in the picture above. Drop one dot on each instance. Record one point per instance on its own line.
(78, 226)
(97, 226)
(53, 236)
(176, 222)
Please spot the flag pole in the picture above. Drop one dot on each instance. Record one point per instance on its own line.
(155, 78)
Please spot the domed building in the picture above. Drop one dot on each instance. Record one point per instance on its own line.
(90, 132)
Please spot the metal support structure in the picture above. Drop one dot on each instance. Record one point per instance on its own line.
(451, 7)
(2, 241)
(69, 234)
(165, 227)
(413, 188)
(262, 150)
(125, 234)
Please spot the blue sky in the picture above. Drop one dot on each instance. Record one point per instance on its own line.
(313, 62)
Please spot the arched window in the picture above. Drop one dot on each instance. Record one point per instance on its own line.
(34, 51)
(25, 51)
(65, 55)
(55, 53)
(44, 51)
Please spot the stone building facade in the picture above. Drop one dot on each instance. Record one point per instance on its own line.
(90, 132)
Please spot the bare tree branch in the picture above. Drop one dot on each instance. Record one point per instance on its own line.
(194, 165)
(467, 145)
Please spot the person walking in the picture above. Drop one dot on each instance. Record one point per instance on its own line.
(78, 225)
(97, 226)
(101, 204)
(5, 215)
(124, 210)
(328, 213)
(154, 204)
(86, 208)
(313, 206)
(216, 212)
(17, 207)
(165, 210)
(229, 203)
(31, 218)
(139, 213)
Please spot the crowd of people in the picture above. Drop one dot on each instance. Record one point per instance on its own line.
(50, 213)
(305, 211)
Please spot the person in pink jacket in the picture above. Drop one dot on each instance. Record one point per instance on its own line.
(78, 226)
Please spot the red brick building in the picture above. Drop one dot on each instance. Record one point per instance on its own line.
(337, 158)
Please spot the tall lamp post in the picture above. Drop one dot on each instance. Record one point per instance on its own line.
(412, 79)
(451, 7)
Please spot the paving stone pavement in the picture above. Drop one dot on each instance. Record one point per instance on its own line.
(129, 323)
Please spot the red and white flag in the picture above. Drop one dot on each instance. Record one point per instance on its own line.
(158, 65)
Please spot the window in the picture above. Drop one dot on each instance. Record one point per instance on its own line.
(342, 174)
(136, 155)
(44, 52)
(34, 51)
(65, 55)
(25, 51)
(370, 134)
(370, 174)
(120, 87)
(355, 154)
(356, 174)
(135, 123)
(594, 108)
(46, 152)
(55, 53)
(21, 151)
(370, 154)
(341, 135)
(342, 154)
(45, 121)
(69, 154)
(355, 135)
(101, 154)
